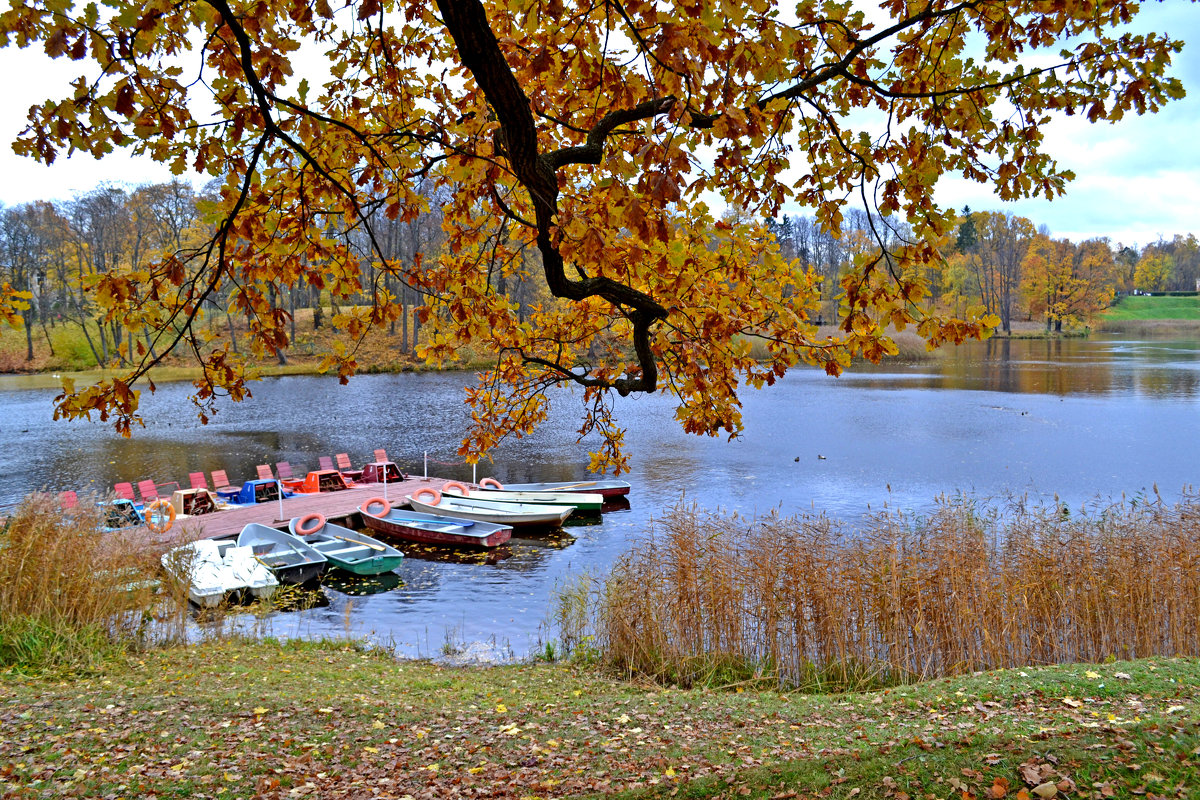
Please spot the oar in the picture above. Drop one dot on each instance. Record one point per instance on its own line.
(568, 486)
(378, 547)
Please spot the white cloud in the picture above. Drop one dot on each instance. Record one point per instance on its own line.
(31, 79)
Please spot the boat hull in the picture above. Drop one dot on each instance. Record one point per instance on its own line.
(527, 515)
(216, 570)
(349, 550)
(607, 487)
(590, 502)
(289, 558)
(437, 529)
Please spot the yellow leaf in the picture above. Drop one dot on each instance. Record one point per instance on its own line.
(501, 709)
(1092, 674)
(259, 711)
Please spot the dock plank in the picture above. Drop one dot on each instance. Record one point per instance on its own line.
(334, 506)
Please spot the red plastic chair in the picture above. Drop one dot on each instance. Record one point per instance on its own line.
(347, 468)
(125, 490)
(381, 455)
(264, 472)
(148, 491)
(325, 462)
(220, 480)
(284, 470)
(198, 480)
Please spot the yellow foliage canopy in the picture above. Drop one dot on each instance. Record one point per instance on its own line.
(590, 137)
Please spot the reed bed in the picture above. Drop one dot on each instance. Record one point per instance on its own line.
(809, 602)
(70, 595)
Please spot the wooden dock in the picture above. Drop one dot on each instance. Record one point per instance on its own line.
(334, 506)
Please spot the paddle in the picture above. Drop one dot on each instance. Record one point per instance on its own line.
(571, 486)
(378, 547)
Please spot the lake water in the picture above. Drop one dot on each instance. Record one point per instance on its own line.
(1081, 419)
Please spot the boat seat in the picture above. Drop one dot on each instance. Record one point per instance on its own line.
(344, 550)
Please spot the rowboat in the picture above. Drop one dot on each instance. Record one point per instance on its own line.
(216, 568)
(582, 501)
(346, 549)
(512, 514)
(415, 526)
(606, 486)
(289, 558)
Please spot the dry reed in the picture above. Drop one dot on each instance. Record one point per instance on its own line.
(809, 602)
(70, 595)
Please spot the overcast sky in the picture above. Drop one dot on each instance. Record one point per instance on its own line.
(1137, 181)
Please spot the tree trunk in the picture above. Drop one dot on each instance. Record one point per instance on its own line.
(404, 348)
(49, 344)
(27, 315)
(232, 331)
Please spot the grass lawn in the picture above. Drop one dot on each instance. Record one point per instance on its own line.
(1148, 308)
(321, 720)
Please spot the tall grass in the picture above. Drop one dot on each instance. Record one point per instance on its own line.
(812, 603)
(70, 596)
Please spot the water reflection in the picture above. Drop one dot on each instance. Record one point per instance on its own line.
(1076, 418)
(361, 585)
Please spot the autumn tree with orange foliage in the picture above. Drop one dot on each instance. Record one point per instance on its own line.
(594, 135)
(1067, 284)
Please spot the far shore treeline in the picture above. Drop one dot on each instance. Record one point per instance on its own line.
(59, 251)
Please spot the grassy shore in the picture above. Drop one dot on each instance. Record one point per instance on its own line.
(234, 719)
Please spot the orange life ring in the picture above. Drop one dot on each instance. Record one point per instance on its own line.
(495, 484)
(459, 487)
(156, 513)
(302, 523)
(437, 496)
(377, 501)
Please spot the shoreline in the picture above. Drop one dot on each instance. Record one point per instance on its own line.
(911, 350)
